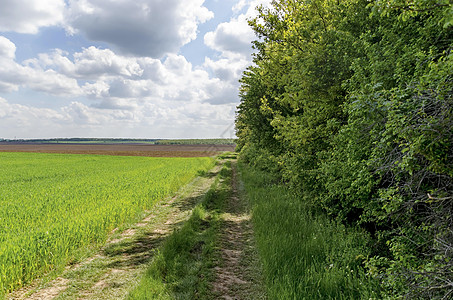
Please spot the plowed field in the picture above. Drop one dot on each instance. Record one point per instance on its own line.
(122, 149)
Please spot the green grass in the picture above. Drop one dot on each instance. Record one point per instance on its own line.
(304, 254)
(183, 266)
(53, 205)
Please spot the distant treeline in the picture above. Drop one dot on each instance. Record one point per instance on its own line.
(350, 103)
(218, 141)
(197, 142)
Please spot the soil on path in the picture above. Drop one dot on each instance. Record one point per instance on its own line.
(239, 273)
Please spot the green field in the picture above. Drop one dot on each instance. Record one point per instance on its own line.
(51, 205)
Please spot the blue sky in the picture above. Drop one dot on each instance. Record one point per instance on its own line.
(121, 68)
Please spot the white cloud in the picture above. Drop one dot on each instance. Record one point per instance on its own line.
(159, 119)
(14, 75)
(239, 6)
(98, 89)
(51, 82)
(231, 38)
(25, 120)
(221, 92)
(89, 64)
(107, 77)
(227, 69)
(152, 93)
(7, 48)
(26, 16)
(124, 88)
(234, 38)
(143, 27)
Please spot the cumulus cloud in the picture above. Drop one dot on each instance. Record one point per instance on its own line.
(139, 87)
(239, 6)
(231, 38)
(234, 38)
(157, 119)
(226, 69)
(123, 88)
(14, 75)
(221, 92)
(26, 16)
(105, 76)
(150, 28)
(22, 119)
(51, 82)
(88, 64)
(7, 48)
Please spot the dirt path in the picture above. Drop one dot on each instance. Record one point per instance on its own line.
(239, 274)
(119, 265)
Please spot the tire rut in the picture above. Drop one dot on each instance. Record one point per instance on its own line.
(239, 275)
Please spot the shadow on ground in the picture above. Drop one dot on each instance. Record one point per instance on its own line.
(139, 249)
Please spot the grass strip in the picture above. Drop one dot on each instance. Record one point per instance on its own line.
(184, 266)
(304, 254)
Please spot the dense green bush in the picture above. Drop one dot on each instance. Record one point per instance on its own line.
(350, 102)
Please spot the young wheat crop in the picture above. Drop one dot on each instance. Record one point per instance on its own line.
(53, 204)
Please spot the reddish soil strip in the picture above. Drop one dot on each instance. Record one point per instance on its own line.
(122, 149)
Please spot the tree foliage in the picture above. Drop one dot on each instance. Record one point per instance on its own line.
(350, 103)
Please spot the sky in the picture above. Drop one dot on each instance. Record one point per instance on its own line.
(122, 68)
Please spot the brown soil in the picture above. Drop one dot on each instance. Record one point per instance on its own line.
(58, 285)
(119, 149)
(239, 274)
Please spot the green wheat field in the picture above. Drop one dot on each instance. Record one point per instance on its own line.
(52, 205)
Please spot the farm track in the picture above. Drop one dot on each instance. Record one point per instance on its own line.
(239, 274)
(119, 265)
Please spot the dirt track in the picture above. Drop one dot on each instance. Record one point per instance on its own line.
(120, 149)
(122, 261)
(239, 274)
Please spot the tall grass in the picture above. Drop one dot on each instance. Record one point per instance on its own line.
(304, 254)
(53, 204)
